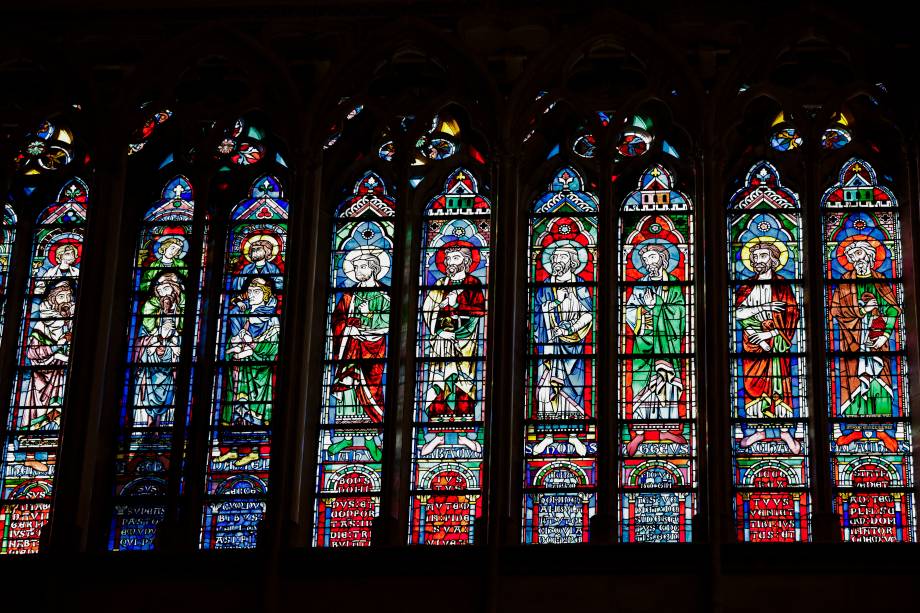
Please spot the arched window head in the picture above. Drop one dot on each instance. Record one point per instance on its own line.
(868, 386)
(352, 440)
(560, 463)
(38, 401)
(657, 365)
(767, 345)
(245, 379)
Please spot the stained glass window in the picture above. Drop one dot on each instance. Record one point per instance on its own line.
(449, 413)
(867, 377)
(560, 464)
(767, 346)
(49, 147)
(157, 387)
(143, 134)
(7, 240)
(656, 366)
(242, 144)
(40, 383)
(246, 356)
(351, 444)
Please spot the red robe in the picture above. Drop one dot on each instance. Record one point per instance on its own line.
(845, 310)
(369, 376)
(771, 377)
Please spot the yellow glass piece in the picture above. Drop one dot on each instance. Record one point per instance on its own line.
(779, 119)
(841, 118)
(65, 136)
(449, 126)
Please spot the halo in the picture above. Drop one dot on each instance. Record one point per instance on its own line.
(474, 253)
(348, 264)
(746, 250)
(182, 252)
(53, 249)
(880, 252)
(674, 252)
(269, 238)
(546, 258)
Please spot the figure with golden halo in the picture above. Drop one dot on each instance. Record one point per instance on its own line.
(865, 311)
(259, 251)
(656, 314)
(453, 310)
(768, 315)
(360, 324)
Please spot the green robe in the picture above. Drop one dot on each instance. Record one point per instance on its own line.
(658, 330)
(249, 391)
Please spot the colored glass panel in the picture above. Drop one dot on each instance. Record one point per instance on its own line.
(449, 414)
(351, 442)
(242, 144)
(7, 240)
(245, 380)
(37, 404)
(656, 366)
(49, 147)
(142, 135)
(155, 405)
(560, 446)
(786, 139)
(868, 395)
(768, 401)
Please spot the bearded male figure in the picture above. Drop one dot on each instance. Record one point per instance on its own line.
(48, 352)
(768, 314)
(252, 348)
(562, 322)
(260, 264)
(656, 315)
(865, 309)
(157, 348)
(452, 312)
(360, 324)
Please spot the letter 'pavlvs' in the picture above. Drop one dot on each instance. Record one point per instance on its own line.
(157, 389)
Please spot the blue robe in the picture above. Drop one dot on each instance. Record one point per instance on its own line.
(564, 373)
(268, 271)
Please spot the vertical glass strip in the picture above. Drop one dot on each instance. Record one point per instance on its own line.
(657, 365)
(868, 395)
(351, 441)
(7, 240)
(449, 415)
(768, 399)
(560, 444)
(28, 467)
(150, 404)
(245, 380)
